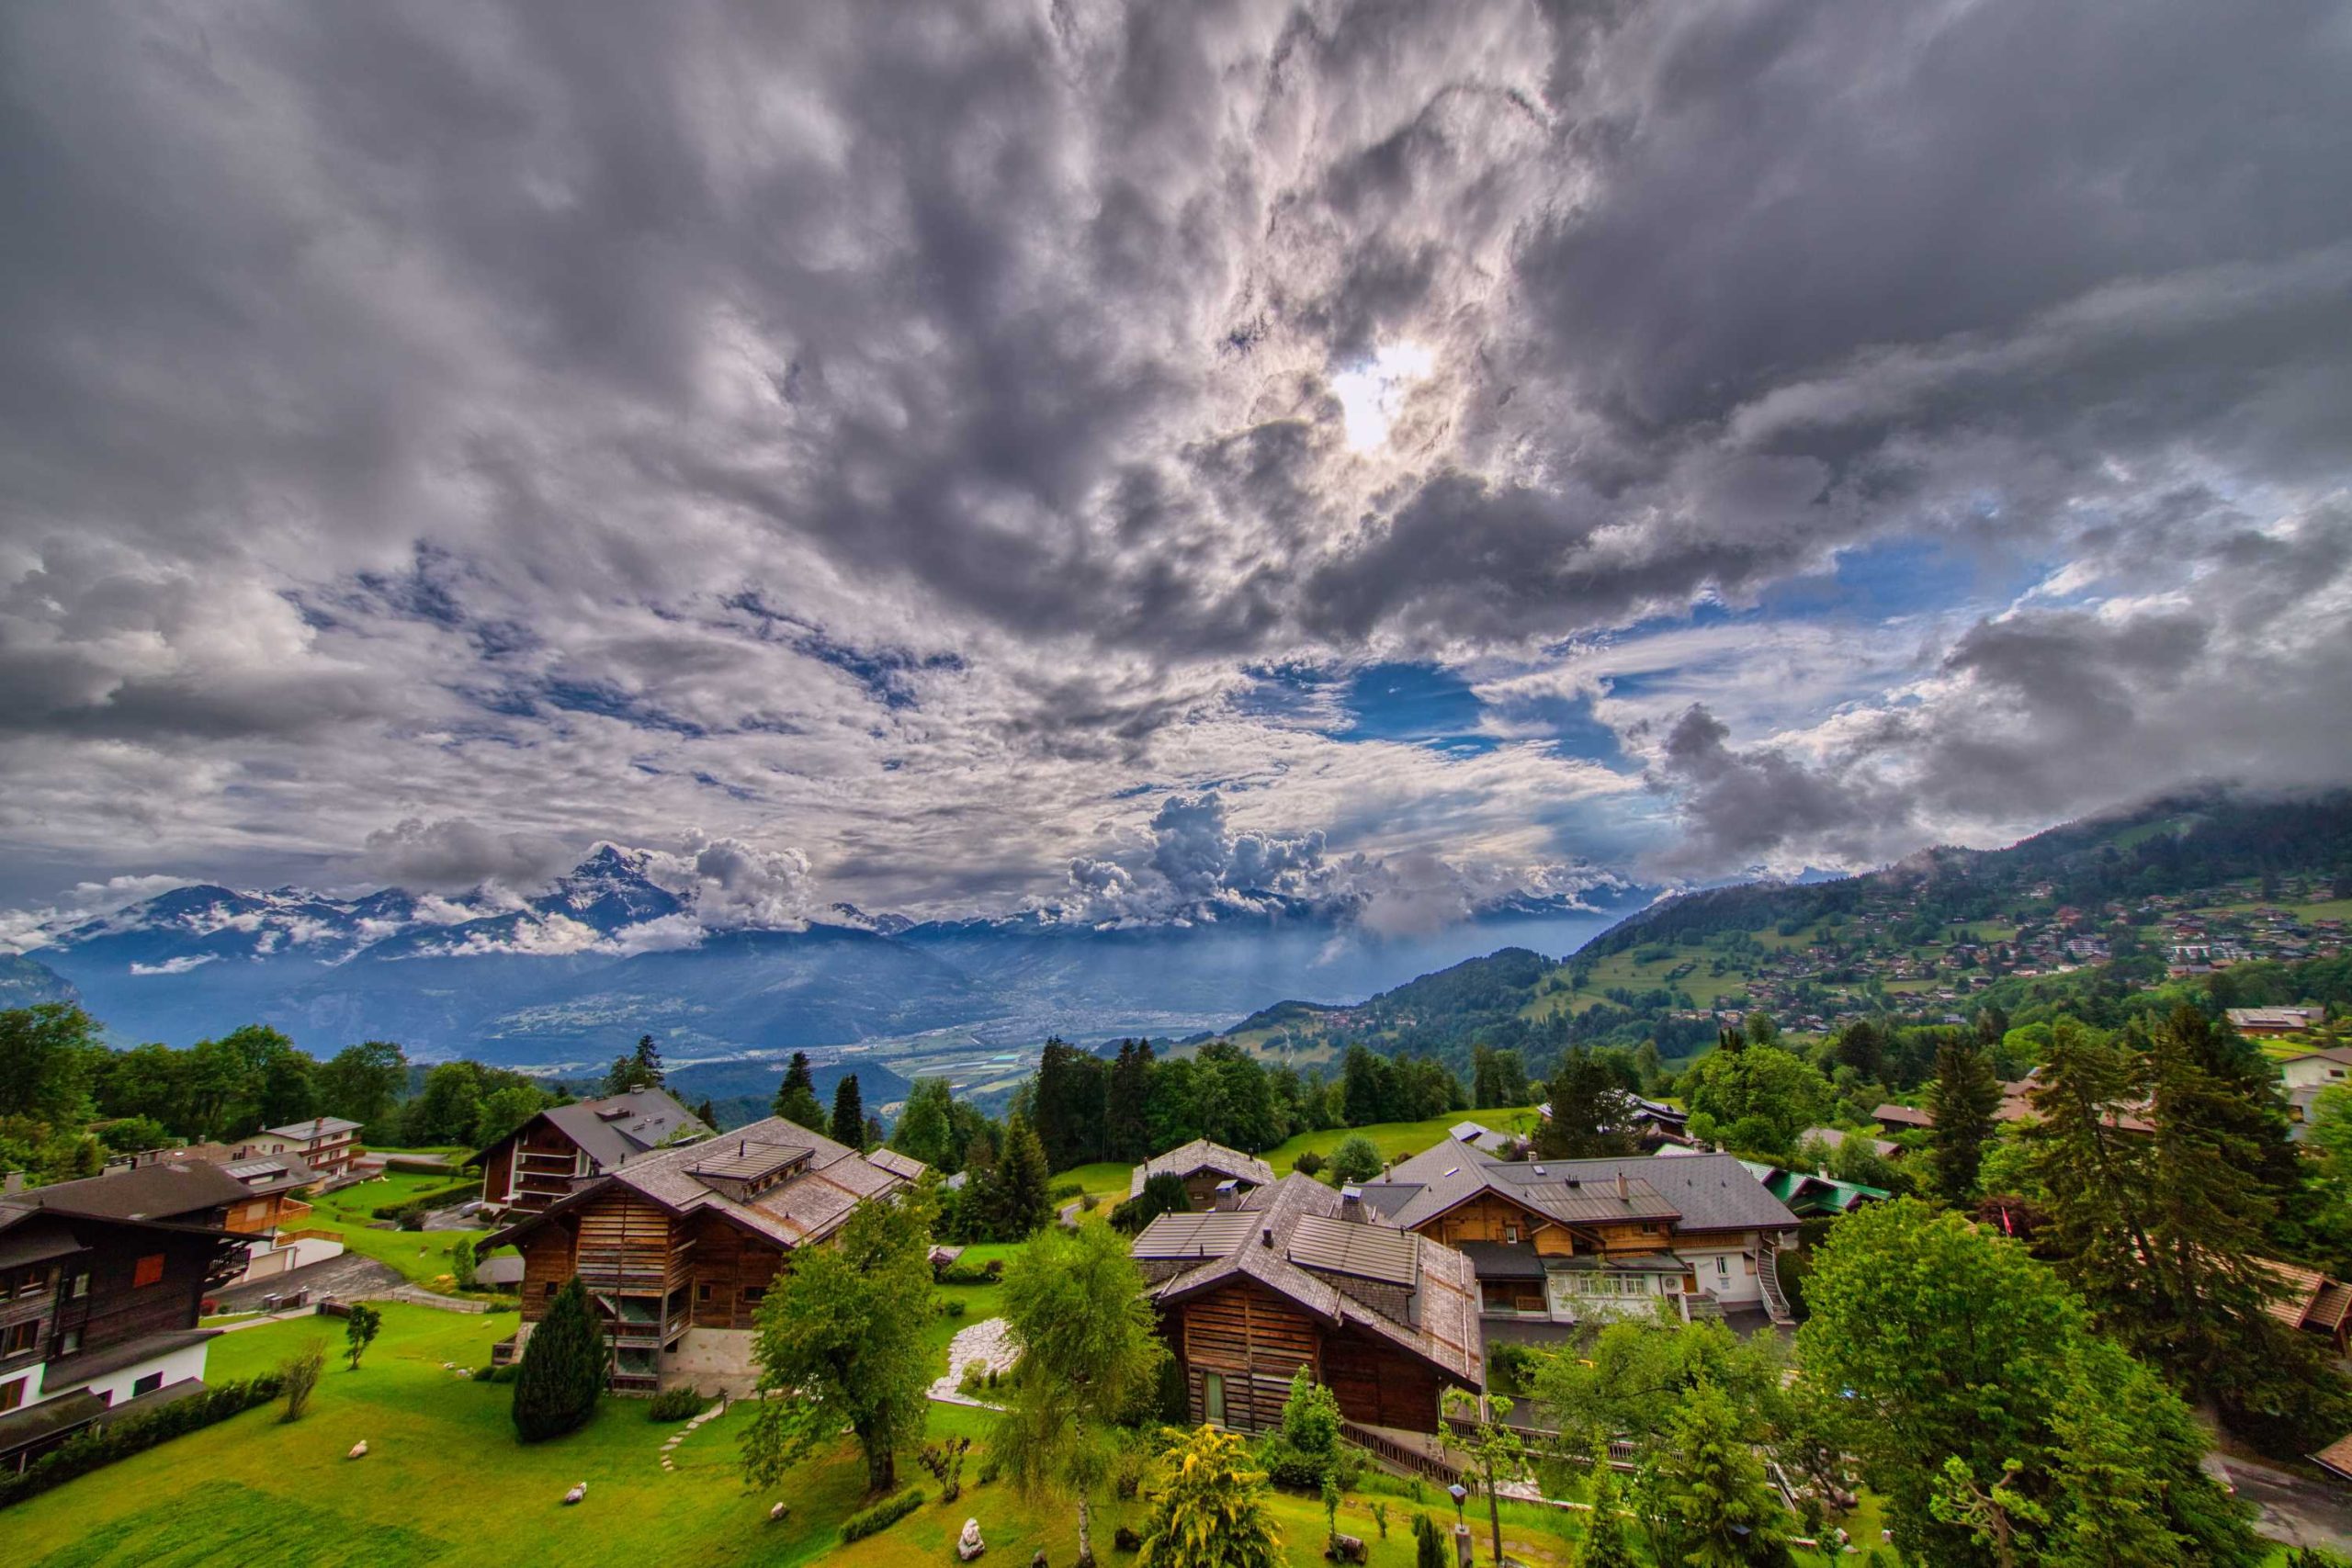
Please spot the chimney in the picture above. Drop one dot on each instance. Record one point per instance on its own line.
(1624, 1193)
(1351, 1201)
(13, 1182)
(1266, 1238)
(1229, 1196)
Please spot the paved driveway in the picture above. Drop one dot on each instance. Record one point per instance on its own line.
(2297, 1511)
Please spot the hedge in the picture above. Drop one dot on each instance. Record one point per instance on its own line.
(97, 1447)
(882, 1516)
(433, 1200)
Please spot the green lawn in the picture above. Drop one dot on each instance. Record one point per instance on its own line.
(444, 1481)
(1395, 1140)
(1107, 1179)
(422, 1256)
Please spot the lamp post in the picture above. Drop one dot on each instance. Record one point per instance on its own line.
(1461, 1494)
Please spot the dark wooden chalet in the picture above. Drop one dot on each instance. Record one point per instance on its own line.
(1247, 1296)
(98, 1309)
(677, 1246)
(547, 1158)
(1205, 1168)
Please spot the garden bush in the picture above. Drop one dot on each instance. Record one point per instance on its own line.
(674, 1405)
(435, 1198)
(882, 1516)
(102, 1446)
(1308, 1164)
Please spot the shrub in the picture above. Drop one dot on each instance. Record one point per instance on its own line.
(945, 1460)
(299, 1374)
(461, 1262)
(1508, 1366)
(101, 1446)
(562, 1368)
(948, 1306)
(882, 1516)
(1088, 1203)
(1356, 1159)
(411, 1218)
(674, 1405)
(1066, 1191)
(1308, 1164)
(1303, 1454)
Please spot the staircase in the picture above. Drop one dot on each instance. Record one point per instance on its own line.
(1776, 1299)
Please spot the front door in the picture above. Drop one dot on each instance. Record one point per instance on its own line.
(1213, 1397)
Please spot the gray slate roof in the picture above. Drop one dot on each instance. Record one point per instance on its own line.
(318, 1127)
(170, 1190)
(1200, 1155)
(805, 1206)
(1447, 1335)
(1696, 1191)
(648, 1118)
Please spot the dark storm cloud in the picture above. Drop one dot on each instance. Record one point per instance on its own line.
(911, 415)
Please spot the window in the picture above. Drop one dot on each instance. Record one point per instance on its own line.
(81, 1284)
(1213, 1397)
(69, 1342)
(702, 1294)
(148, 1270)
(1510, 1234)
(13, 1394)
(547, 1289)
(20, 1339)
(147, 1385)
(31, 1285)
(755, 1295)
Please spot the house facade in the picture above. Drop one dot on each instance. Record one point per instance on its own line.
(2316, 1070)
(677, 1247)
(548, 1157)
(1556, 1243)
(327, 1144)
(1205, 1168)
(1294, 1277)
(267, 1207)
(98, 1315)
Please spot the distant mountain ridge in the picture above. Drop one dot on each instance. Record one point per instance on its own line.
(569, 978)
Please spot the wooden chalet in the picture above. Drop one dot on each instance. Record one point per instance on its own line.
(1555, 1243)
(328, 1144)
(1247, 1296)
(1205, 1168)
(677, 1246)
(98, 1310)
(547, 1158)
(2309, 1301)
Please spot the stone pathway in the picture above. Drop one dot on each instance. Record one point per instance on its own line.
(990, 1340)
(718, 1409)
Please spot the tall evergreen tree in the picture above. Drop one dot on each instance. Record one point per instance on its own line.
(1606, 1542)
(1067, 1112)
(1019, 1198)
(1716, 1505)
(648, 1062)
(1592, 1116)
(1963, 1100)
(1126, 1104)
(563, 1368)
(796, 1097)
(849, 1113)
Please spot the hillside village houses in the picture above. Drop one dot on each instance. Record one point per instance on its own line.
(1207, 1170)
(677, 1246)
(327, 1144)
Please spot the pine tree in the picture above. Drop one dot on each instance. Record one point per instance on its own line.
(563, 1368)
(1019, 1200)
(1590, 1117)
(849, 1113)
(1963, 1100)
(648, 1063)
(1722, 1508)
(1608, 1543)
(1429, 1544)
(2093, 1171)
(796, 1097)
(707, 1114)
(1126, 1102)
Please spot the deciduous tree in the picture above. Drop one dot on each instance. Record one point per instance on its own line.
(1074, 1302)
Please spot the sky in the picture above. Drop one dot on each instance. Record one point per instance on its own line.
(965, 457)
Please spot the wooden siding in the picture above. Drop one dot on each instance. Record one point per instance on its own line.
(547, 1264)
(1256, 1341)
(1379, 1385)
(113, 1310)
(626, 1245)
(1492, 1217)
(727, 1262)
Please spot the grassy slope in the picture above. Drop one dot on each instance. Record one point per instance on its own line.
(446, 1483)
(1396, 1139)
(422, 1256)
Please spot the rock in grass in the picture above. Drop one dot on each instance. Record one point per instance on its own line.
(968, 1545)
(777, 1514)
(358, 1450)
(576, 1493)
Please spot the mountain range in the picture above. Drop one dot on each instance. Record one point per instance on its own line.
(568, 978)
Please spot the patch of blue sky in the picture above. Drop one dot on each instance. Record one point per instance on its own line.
(610, 701)
(1912, 575)
(1421, 705)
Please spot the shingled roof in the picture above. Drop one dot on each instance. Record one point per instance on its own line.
(1296, 1241)
(807, 1203)
(621, 1127)
(1187, 1159)
(169, 1190)
(1693, 1192)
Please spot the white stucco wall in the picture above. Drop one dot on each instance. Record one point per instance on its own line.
(177, 1366)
